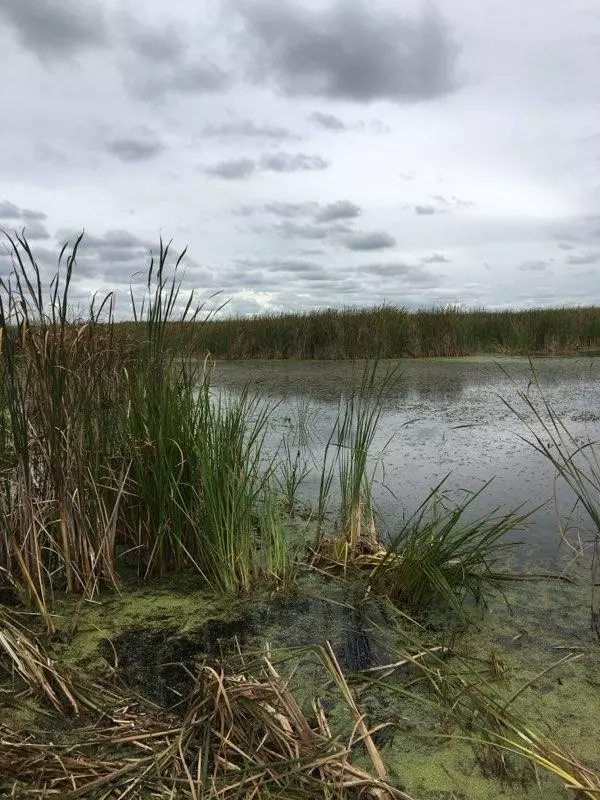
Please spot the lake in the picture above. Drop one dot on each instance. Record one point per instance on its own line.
(442, 417)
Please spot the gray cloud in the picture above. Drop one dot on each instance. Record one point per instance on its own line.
(164, 44)
(183, 77)
(292, 162)
(342, 209)
(243, 168)
(10, 211)
(291, 210)
(291, 230)
(534, 266)
(424, 210)
(566, 246)
(436, 258)
(296, 266)
(114, 255)
(162, 60)
(33, 230)
(584, 258)
(374, 240)
(30, 215)
(453, 201)
(328, 121)
(140, 145)
(347, 51)
(248, 129)
(36, 231)
(406, 273)
(233, 170)
(55, 29)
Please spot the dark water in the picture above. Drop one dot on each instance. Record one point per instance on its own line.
(442, 417)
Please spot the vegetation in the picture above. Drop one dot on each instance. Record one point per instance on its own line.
(120, 466)
(390, 332)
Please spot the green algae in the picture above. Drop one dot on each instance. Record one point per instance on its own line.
(513, 643)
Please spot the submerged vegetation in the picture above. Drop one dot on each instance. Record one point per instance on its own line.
(123, 471)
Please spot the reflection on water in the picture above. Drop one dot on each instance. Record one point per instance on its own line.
(441, 417)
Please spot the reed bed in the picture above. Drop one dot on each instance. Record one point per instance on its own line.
(113, 452)
(395, 332)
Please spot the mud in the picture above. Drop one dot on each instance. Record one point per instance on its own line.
(162, 662)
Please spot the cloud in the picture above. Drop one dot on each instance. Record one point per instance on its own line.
(161, 60)
(33, 230)
(55, 29)
(290, 210)
(342, 209)
(233, 170)
(30, 215)
(328, 121)
(374, 240)
(295, 266)
(36, 231)
(425, 210)
(584, 258)
(113, 255)
(164, 44)
(243, 168)
(349, 51)
(292, 162)
(566, 246)
(453, 201)
(318, 212)
(248, 129)
(140, 145)
(436, 258)
(306, 230)
(534, 266)
(182, 77)
(11, 212)
(406, 273)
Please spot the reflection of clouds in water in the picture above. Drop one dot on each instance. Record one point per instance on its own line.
(445, 417)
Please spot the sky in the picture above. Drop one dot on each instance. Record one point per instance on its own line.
(308, 153)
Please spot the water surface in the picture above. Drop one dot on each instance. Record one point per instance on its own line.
(441, 417)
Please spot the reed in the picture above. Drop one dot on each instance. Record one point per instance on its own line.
(395, 332)
(113, 450)
(440, 555)
(576, 461)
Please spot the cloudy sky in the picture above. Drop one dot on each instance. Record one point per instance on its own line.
(310, 153)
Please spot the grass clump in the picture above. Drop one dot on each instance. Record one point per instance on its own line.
(113, 452)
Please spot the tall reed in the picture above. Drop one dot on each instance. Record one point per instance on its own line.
(393, 332)
(112, 446)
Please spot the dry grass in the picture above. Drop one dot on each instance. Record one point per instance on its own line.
(242, 736)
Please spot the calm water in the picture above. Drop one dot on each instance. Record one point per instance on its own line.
(442, 417)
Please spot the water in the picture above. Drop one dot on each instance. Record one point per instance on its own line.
(443, 417)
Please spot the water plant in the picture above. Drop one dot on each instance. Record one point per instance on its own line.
(576, 461)
(441, 554)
